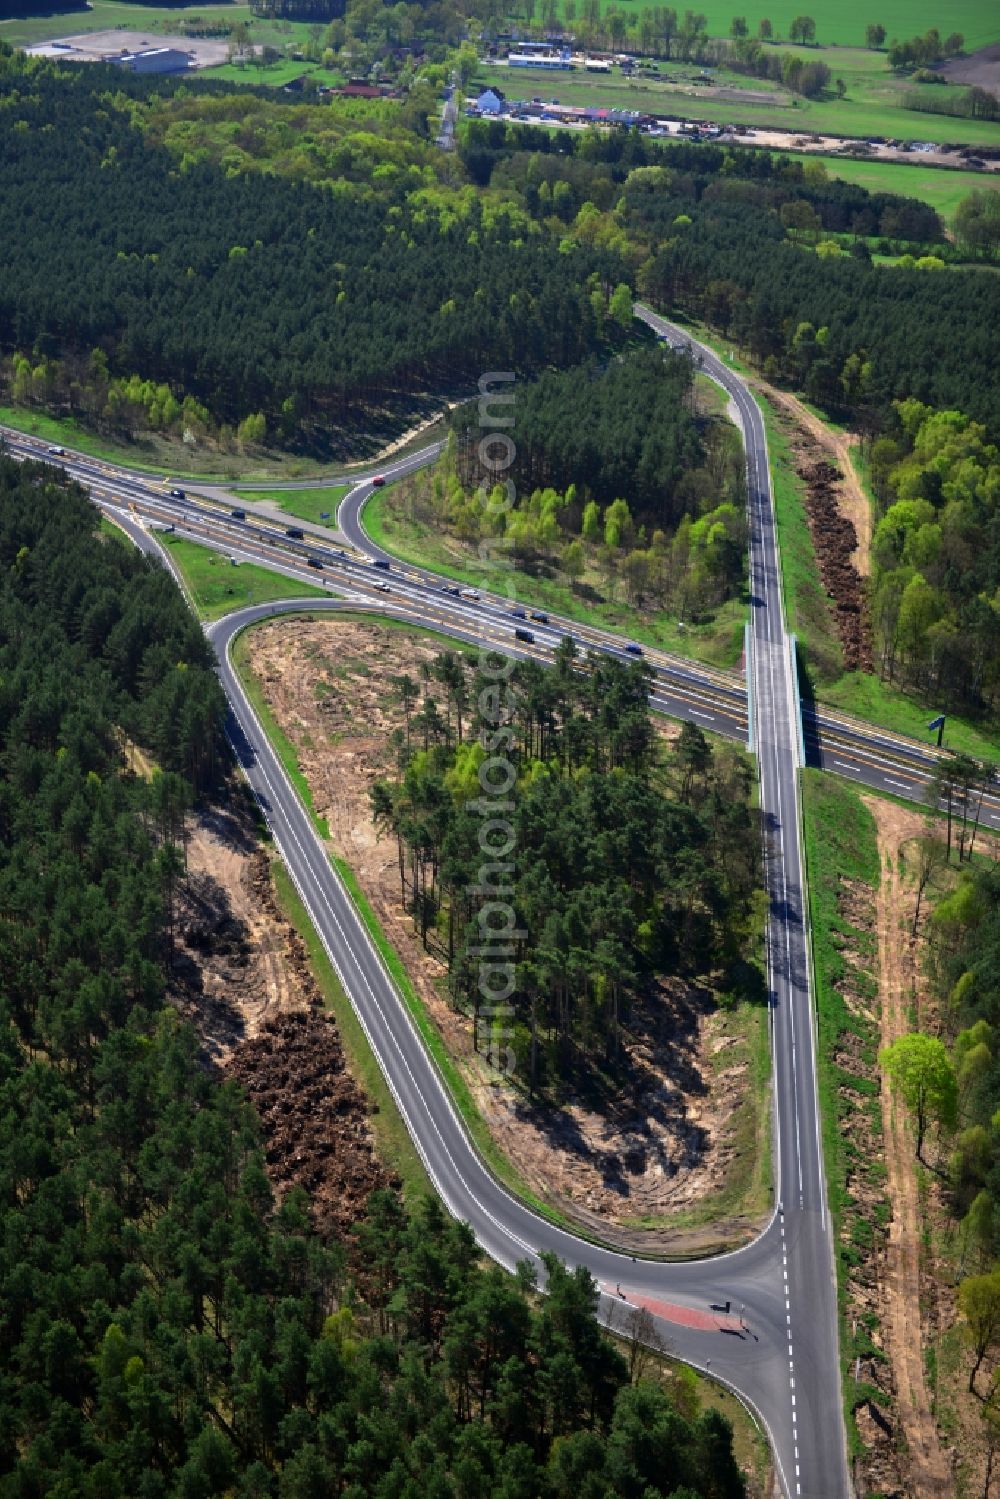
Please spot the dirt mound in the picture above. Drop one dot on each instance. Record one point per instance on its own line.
(314, 1117)
(836, 540)
(241, 975)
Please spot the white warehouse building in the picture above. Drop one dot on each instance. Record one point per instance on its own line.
(155, 60)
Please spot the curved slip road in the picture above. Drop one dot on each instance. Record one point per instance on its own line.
(777, 1343)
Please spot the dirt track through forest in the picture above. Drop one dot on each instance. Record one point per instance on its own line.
(928, 1471)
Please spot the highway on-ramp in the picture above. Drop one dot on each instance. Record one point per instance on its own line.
(762, 1319)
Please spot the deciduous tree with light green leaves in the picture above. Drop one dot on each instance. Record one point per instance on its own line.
(979, 1301)
(921, 1073)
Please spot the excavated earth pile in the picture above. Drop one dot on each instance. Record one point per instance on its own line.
(835, 541)
(314, 1117)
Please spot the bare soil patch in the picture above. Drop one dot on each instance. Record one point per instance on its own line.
(835, 506)
(662, 1148)
(925, 1467)
(980, 69)
(241, 975)
(852, 502)
(936, 1426)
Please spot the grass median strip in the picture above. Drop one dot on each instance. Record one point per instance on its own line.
(841, 854)
(218, 587)
(280, 742)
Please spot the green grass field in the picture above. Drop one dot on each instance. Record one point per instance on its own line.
(941, 188)
(275, 75)
(316, 505)
(105, 15)
(844, 21)
(218, 588)
(718, 643)
(840, 844)
(807, 608)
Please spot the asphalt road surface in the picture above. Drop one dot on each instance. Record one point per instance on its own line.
(762, 1319)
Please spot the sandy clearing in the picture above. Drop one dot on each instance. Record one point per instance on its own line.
(661, 1149)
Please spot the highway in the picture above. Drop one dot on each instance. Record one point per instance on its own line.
(780, 1350)
(715, 699)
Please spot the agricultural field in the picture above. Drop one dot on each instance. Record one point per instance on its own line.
(843, 22)
(941, 188)
(275, 74)
(103, 15)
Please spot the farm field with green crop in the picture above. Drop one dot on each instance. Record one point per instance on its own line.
(941, 188)
(104, 15)
(844, 21)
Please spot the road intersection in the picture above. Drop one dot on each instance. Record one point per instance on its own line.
(781, 1353)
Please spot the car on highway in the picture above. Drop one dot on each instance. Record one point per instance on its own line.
(57, 452)
(238, 514)
(378, 481)
(295, 532)
(468, 593)
(518, 614)
(633, 649)
(382, 563)
(314, 562)
(524, 635)
(540, 616)
(177, 494)
(383, 587)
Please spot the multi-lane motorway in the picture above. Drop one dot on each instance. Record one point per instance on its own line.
(761, 1319)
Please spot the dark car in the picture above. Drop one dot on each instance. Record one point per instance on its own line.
(238, 514)
(381, 562)
(314, 562)
(524, 635)
(295, 532)
(633, 649)
(177, 494)
(538, 615)
(518, 614)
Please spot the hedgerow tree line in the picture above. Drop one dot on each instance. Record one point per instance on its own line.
(169, 1330)
(626, 863)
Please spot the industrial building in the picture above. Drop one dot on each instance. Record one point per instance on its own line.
(155, 60)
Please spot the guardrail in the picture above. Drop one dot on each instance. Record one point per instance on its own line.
(748, 670)
(793, 652)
